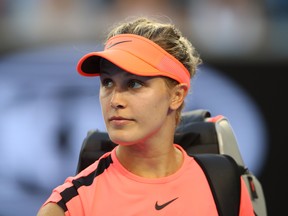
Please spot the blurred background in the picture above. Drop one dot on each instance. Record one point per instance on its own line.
(46, 108)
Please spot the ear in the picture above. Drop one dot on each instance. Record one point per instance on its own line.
(178, 95)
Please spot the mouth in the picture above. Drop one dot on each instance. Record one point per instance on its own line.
(119, 120)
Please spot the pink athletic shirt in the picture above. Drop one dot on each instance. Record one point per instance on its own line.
(107, 188)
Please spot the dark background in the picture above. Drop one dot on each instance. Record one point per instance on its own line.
(245, 40)
(268, 87)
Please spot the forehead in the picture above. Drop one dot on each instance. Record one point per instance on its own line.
(109, 69)
(107, 66)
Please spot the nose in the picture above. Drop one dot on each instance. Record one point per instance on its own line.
(117, 100)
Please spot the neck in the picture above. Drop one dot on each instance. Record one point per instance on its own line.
(150, 163)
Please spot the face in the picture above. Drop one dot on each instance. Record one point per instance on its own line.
(135, 108)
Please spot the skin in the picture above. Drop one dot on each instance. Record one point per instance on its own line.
(51, 209)
(139, 113)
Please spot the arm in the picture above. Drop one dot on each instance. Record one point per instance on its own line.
(51, 209)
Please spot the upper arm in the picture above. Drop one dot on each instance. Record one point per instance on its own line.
(51, 209)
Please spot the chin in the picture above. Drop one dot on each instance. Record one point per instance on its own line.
(126, 137)
(122, 138)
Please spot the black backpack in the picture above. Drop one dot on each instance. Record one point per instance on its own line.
(211, 141)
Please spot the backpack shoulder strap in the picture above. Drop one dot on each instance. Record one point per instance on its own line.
(223, 175)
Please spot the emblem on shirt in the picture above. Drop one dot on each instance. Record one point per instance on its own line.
(159, 207)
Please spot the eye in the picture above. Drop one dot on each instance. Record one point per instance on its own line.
(135, 84)
(107, 83)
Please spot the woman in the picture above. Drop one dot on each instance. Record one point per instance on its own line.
(145, 71)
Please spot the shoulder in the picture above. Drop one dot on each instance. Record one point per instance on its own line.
(50, 209)
(246, 205)
(97, 166)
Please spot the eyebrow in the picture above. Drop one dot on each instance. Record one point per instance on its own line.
(109, 71)
(130, 75)
(126, 74)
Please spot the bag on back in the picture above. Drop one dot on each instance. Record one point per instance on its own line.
(203, 137)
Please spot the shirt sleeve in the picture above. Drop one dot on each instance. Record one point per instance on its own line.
(71, 207)
(246, 206)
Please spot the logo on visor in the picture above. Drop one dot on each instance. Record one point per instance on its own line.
(118, 43)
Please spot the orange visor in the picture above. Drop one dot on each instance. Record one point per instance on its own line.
(137, 55)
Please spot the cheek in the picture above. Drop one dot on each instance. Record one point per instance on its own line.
(105, 105)
(155, 107)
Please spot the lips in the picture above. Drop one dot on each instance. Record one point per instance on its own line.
(117, 118)
(119, 121)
